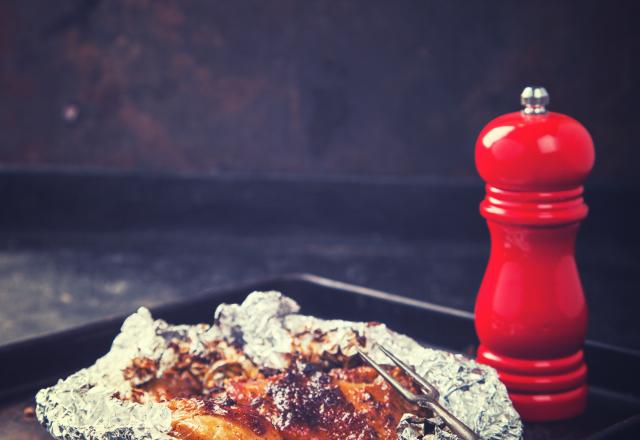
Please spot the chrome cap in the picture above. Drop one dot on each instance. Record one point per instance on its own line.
(534, 100)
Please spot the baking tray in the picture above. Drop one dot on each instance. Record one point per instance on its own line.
(614, 399)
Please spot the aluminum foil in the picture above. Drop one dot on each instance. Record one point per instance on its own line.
(268, 328)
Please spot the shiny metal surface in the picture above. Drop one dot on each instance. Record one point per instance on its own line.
(534, 99)
(427, 399)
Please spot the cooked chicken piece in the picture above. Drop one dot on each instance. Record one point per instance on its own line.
(208, 420)
(302, 403)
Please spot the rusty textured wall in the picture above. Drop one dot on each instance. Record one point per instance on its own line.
(329, 87)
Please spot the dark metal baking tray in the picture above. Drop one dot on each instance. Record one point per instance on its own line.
(614, 400)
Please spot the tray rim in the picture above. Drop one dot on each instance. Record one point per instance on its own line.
(289, 277)
(107, 324)
(247, 285)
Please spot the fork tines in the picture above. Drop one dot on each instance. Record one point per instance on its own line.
(408, 395)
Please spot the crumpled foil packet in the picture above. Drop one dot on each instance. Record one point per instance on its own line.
(268, 327)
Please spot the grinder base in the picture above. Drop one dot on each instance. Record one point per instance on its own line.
(542, 389)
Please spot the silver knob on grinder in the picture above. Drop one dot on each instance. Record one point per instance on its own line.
(534, 99)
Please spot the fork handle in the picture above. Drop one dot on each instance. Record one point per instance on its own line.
(456, 426)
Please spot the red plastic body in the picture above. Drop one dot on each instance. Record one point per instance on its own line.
(531, 315)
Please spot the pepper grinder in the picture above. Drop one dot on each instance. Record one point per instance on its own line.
(531, 315)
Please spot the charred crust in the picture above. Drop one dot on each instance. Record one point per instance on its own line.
(141, 370)
(268, 372)
(306, 399)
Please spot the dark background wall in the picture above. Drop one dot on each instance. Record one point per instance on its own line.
(322, 87)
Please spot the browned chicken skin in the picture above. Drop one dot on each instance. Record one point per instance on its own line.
(301, 403)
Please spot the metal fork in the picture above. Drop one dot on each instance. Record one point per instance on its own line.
(429, 397)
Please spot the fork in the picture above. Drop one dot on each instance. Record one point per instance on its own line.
(427, 399)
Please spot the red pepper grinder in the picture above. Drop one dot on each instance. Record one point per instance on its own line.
(531, 316)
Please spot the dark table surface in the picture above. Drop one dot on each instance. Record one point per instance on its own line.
(77, 248)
